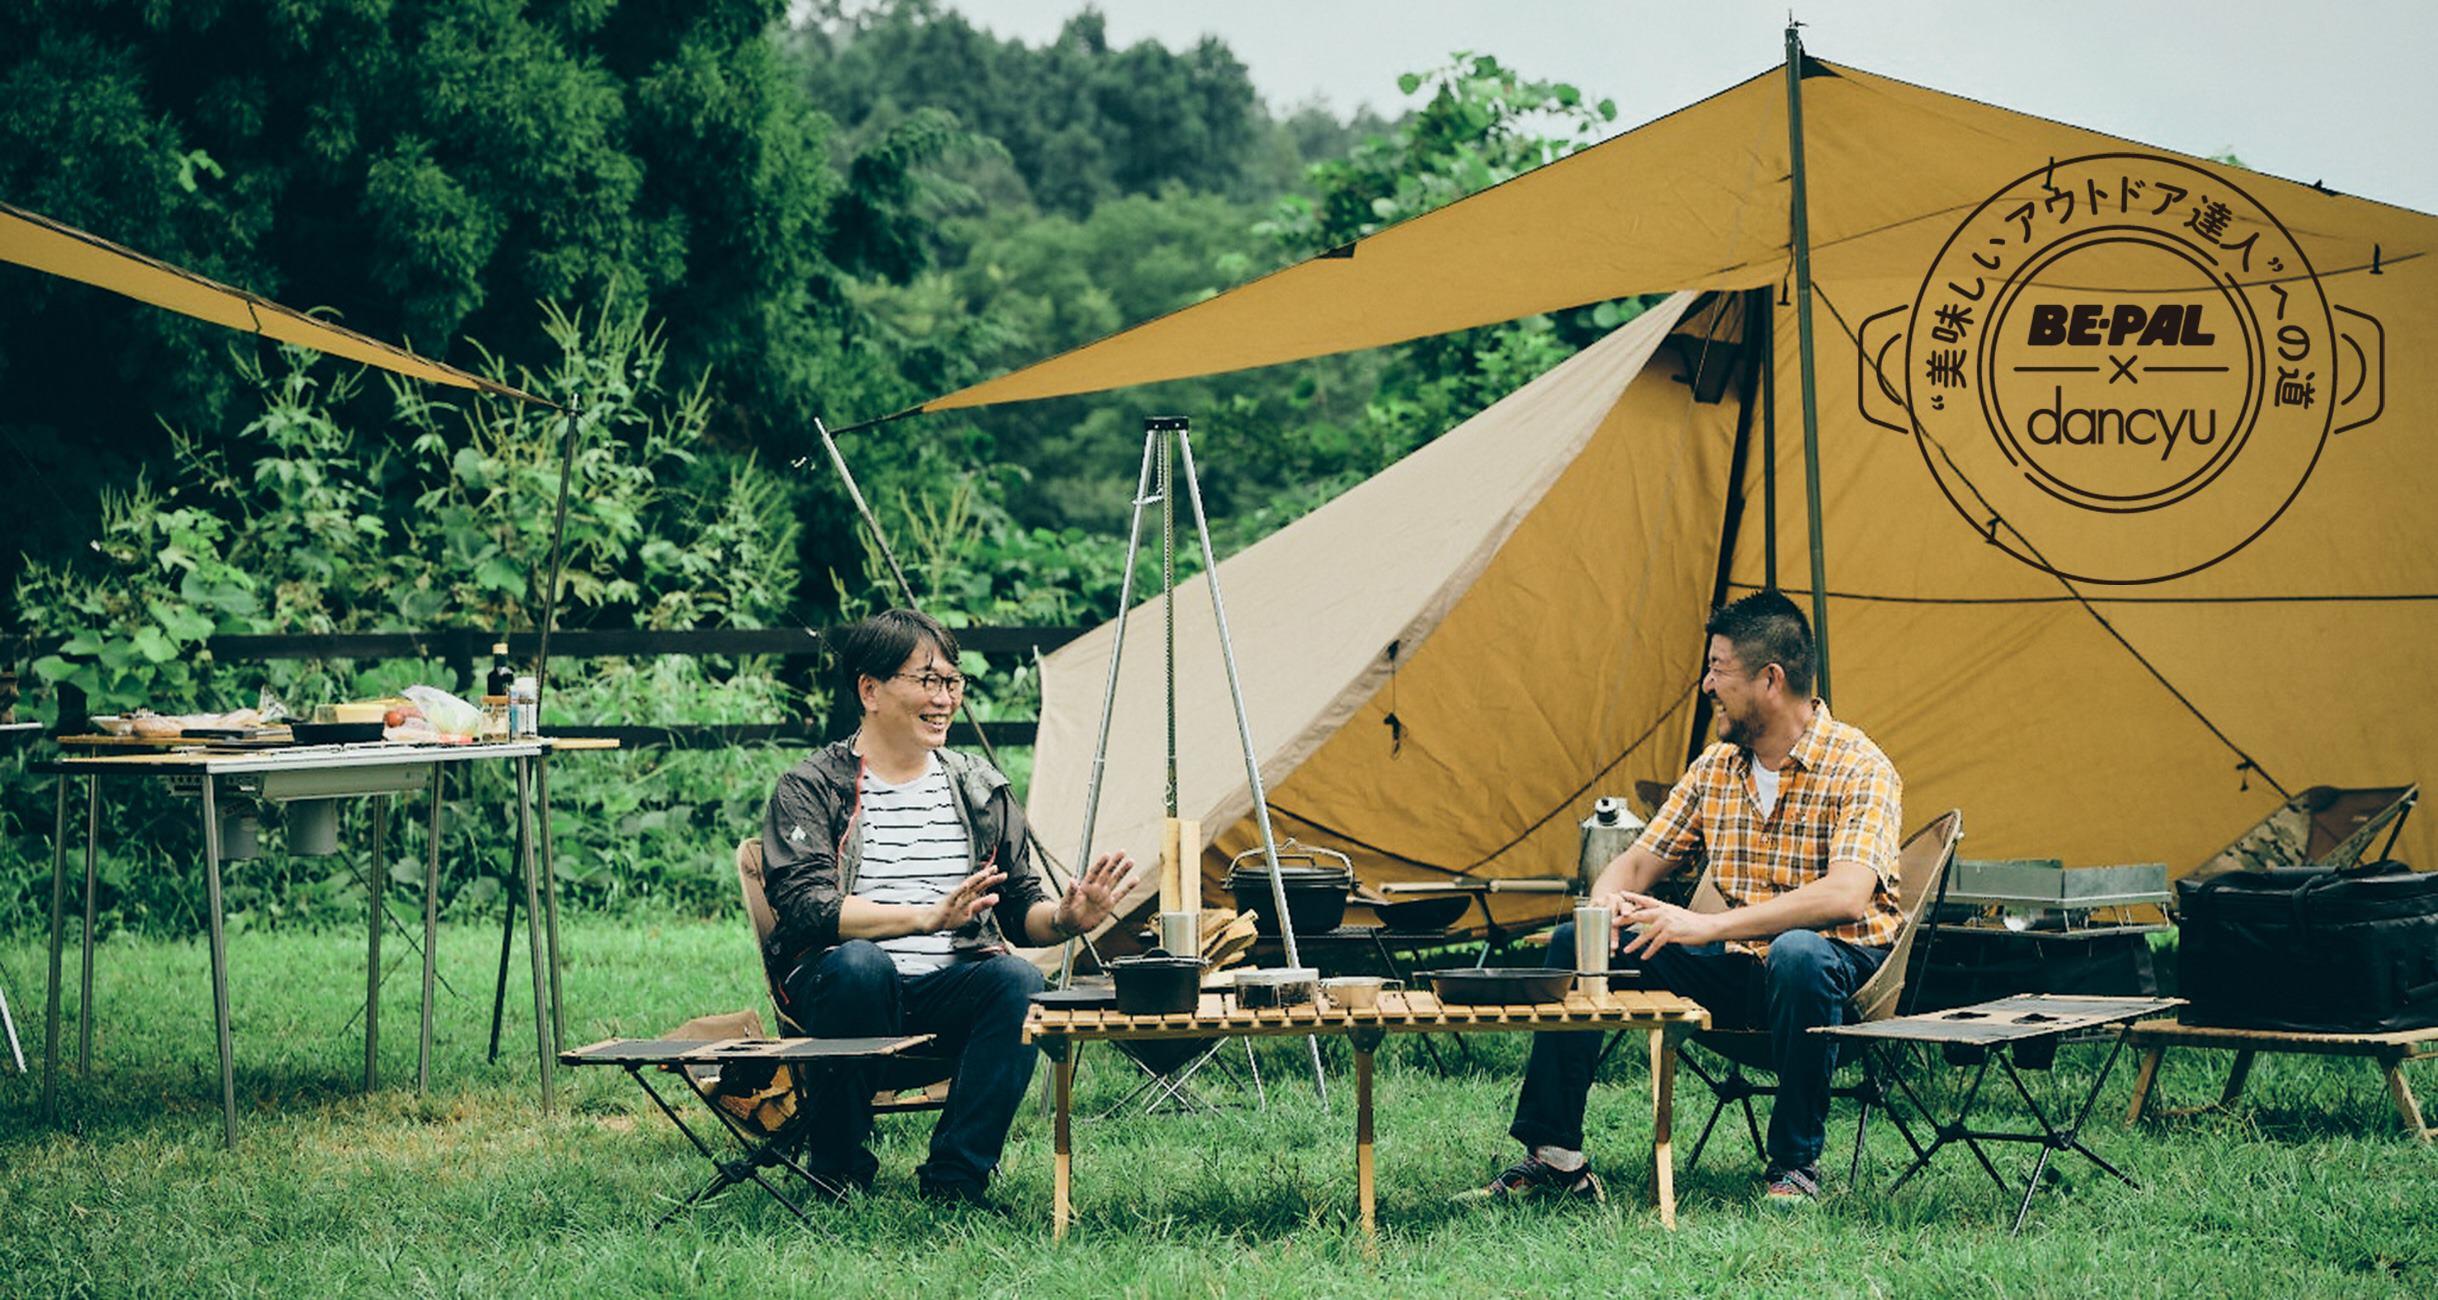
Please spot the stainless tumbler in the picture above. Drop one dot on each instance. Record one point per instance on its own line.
(1180, 933)
(1595, 934)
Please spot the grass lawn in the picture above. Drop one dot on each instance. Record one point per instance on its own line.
(2308, 1190)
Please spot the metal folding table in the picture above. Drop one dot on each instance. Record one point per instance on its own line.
(758, 1150)
(278, 775)
(2026, 1027)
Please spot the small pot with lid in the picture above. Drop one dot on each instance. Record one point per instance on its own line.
(1156, 983)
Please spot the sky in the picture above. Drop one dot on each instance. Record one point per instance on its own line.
(2336, 91)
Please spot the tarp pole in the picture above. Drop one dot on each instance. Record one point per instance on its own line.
(1755, 303)
(550, 593)
(1768, 361)
(1803, 342)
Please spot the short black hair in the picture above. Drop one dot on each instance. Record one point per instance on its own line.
(1766, 628)
(878, 646)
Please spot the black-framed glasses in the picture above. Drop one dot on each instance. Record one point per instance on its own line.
(932, 683)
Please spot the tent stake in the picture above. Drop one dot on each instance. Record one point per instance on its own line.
(1803, 339)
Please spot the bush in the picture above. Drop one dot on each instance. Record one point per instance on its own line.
(300, 523)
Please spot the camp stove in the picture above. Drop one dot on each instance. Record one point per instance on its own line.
(2044, 895)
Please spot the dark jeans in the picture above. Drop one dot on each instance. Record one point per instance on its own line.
(1806, 981)
(976, 1008)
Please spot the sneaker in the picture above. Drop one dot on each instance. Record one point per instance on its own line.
(957, 1194)
(1532, 1179)
(1792, 1186)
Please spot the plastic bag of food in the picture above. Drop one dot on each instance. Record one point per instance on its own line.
(448, 715)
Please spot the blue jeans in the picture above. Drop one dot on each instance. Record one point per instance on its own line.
(976, 1009)
(1806, 981)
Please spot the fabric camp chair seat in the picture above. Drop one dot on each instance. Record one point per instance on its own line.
(911, 1084)
(2325, 826)
(1921, 863)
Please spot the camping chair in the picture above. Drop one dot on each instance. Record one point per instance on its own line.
(2324, 826)
(911, 1083)
(1921, 863)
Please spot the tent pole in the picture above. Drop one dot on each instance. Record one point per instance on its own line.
(558, 537)
(1731, 520)
(1803, 340)
(1767, 359)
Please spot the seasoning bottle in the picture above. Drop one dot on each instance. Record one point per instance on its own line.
(495, 691)
(524, 707)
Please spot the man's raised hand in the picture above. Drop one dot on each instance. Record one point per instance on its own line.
(972, 896)
(1092, 896)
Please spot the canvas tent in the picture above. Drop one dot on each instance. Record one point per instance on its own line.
(2122, 466)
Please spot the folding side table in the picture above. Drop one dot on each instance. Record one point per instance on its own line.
(2026, 1029)
(756, 1150)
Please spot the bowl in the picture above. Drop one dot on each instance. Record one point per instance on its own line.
(1356, 992)
(1426, 915)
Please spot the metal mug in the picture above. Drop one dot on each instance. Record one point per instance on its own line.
(1180, 933)
(1595, 935)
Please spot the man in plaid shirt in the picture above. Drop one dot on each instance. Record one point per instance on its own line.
(1798, 814)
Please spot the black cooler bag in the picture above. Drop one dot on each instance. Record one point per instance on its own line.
(2312, 951)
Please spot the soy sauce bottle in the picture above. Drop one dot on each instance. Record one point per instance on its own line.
(495, 691)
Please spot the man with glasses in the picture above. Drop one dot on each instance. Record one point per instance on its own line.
(900, 872)
(1798, 815)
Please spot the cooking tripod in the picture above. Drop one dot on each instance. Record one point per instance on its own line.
(1165, 437)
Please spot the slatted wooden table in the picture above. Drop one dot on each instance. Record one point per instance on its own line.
(1665, 1016)
(2388, 1051)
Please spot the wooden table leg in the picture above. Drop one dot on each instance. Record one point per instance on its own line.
(2141, 1084)
(2402, 1090)
(1363, 1186)
(1062, 1145)
(1663, 1118)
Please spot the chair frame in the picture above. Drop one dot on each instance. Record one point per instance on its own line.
(924, 1086)
(1746, 1050)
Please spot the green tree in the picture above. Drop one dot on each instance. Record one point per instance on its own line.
(434, 169)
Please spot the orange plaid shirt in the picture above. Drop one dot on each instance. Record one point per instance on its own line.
(1839, 800)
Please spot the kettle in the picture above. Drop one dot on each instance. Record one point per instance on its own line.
(1610, 830)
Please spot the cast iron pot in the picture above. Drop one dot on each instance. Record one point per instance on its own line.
(1156, 984)
(1316, 899)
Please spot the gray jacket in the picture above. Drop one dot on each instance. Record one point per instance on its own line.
(812, 849)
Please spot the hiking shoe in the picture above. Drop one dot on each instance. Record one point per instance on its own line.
(957, 1194)
(1792, 1186)
(1531, 1179)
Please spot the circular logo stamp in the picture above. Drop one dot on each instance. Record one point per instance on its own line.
(2120, 368)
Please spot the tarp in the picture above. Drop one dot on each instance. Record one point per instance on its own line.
(32, 240)
(2123, 495)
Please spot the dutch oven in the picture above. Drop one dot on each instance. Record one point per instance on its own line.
(1157, 984)
(1316, 895)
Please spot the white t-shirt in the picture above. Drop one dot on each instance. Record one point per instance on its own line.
(1764, 788)
(914, 852)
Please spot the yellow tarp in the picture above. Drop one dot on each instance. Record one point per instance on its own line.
(31, 240)
(2124, 471)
